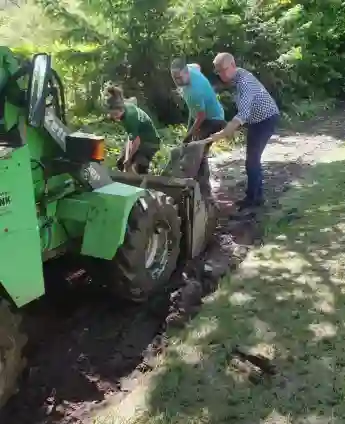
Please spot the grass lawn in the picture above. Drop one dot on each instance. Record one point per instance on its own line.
(287, 300)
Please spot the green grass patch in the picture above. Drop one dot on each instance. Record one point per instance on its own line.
(287, 301)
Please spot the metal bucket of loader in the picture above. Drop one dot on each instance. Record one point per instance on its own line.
(179, 181)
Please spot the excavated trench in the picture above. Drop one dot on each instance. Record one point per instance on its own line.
(86, 348)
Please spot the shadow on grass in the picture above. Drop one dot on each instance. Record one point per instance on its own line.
(230, 182)
(292, 151)
(286, 301)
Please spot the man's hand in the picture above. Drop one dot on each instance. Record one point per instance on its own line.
(186, 140)
(228, 131)
(217, 136)
(231, 128)
(196, 134)
(129, 166)
(126, 164)
(206, 141)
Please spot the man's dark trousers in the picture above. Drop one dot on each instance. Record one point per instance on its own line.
(257, 138)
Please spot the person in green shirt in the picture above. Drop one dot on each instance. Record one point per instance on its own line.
(143, 138)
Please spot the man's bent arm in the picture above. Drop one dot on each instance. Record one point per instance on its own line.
(196, 104)
(244, 109)
(133, 147)
(190, 122)
(200, 118)
(228, 131)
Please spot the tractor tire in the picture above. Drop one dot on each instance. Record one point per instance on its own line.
(145, 262)
(12, 342)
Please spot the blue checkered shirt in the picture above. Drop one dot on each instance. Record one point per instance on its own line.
(253, 101)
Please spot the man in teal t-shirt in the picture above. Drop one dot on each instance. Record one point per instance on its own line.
(206, 114)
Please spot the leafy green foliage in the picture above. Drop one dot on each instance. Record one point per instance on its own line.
(296, 48)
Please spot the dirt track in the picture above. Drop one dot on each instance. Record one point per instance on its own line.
(86, 348)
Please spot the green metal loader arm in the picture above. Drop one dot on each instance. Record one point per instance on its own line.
(9, 89)
(8, 65)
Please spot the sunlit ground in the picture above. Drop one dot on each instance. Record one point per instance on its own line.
(286, 301)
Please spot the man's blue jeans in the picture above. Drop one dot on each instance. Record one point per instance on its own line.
(257, 138)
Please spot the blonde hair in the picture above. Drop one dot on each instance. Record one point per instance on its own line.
(224, 57)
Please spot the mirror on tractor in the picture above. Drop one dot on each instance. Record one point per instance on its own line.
(38, 89)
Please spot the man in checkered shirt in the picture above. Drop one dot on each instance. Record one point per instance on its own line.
(257, 110)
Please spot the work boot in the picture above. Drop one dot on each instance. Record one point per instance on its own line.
(248, 203)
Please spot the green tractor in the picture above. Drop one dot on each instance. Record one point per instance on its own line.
(58, 199)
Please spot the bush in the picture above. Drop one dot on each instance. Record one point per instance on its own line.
(297, 49)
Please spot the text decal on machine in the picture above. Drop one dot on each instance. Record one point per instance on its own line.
(5, 200)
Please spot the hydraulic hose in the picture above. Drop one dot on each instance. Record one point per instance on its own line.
(62, 103)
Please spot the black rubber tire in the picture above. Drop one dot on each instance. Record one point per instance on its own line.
(128, 274)
(12, 342)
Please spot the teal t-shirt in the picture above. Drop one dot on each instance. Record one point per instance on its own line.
(201, 97)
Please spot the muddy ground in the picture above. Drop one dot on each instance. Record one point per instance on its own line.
(87, 349)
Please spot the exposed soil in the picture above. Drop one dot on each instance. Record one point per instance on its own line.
(87, 349)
